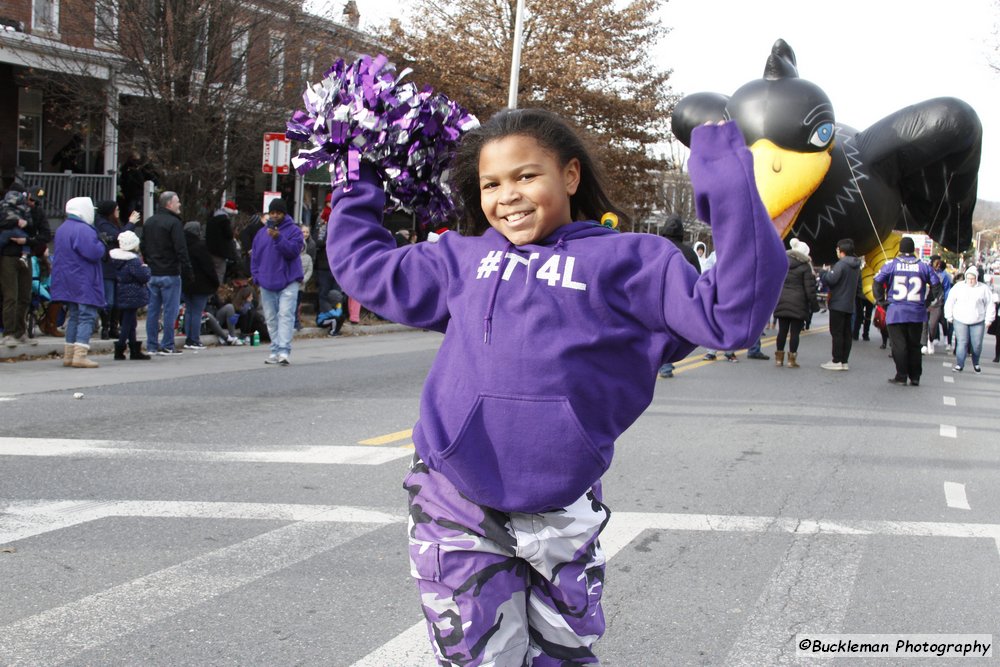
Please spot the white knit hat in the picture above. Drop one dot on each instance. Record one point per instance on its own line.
(972, 269)
(799, 246)
(128, 240)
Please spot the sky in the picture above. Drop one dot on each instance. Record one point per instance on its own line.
(871, 57)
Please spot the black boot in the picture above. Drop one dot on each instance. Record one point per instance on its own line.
(119, 351)
(113, 324)
(135, 351)
(105, 325)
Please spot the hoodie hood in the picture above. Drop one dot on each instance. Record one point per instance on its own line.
(674, 229)
(81, 208)
(574, 230)
(795, 254)
(852, 261)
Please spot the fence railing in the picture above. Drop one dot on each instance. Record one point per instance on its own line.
(60, 188)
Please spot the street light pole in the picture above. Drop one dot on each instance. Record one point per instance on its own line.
(515, 65)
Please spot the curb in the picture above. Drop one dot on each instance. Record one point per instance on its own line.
(49, 346)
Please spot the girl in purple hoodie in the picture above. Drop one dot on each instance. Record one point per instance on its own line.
(554, 328)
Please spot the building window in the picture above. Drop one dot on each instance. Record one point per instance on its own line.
(308, 63)
(29, 129)
(106, 23)
(241, 41)
(277, 62)
(45, 16)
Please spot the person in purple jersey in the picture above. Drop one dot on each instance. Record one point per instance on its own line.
(554, 328)
(903, 287)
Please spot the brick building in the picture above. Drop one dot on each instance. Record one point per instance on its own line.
(79, 79)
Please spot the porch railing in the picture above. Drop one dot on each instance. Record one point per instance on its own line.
(60, 188)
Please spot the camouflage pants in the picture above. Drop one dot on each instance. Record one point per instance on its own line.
(506, 589)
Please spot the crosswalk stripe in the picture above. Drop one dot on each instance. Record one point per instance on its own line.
(324, 455)
(809, 591)
(58, 634)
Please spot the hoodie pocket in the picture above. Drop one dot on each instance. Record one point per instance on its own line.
(523, 454)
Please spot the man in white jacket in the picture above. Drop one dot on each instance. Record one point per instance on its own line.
(969, 309)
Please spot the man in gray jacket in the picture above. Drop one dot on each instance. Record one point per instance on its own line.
(843, 283)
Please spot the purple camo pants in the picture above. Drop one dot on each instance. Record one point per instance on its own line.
(506, 589)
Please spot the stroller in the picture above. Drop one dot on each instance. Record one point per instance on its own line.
(43, 312)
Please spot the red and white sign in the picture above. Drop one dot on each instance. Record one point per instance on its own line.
(268, 196)
(277, 151)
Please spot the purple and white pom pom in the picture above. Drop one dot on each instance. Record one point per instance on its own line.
(364, 111)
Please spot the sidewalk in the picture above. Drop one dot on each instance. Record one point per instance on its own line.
(49, 346)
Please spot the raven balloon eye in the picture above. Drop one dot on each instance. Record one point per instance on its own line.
(822, 135)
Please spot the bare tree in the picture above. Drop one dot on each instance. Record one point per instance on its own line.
(200, 81)
(586, 60)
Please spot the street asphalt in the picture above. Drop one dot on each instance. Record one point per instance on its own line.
(211, 510)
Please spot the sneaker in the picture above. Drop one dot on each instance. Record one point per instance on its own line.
(865, 337)
(10, 341)
(923, 350)
(666, 371)
(731, 358)
(914, 383)
(273, 359)
(947, 348)
(233, 340)
(758, 355)
(169, 352)
(844, 367)
(193, 346)
(282, 360)
(832, 366)
(895, 380)
(26, 340)
(956, 369)
(709, 357)
(977, 368)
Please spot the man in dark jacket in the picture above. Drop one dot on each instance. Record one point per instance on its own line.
(165, 251)
(843, 283)
(219, 239)
(15, 273)
(203, 284)
(673, 230)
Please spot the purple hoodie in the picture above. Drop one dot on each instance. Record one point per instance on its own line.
(276, 263)
(551, 349)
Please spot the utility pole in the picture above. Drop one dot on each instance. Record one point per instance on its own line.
(515, 65)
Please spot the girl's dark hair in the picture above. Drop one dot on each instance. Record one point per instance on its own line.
(553, 134)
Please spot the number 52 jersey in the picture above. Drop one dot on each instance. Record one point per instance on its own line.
(906, 281)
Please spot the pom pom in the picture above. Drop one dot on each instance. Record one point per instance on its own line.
(366, 112)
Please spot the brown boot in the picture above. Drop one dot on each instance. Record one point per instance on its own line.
(48, 324)
(791, 360)
(68, 349)
(779, 357)
(80, 359)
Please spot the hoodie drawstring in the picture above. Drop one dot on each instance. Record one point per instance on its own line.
(488, 320)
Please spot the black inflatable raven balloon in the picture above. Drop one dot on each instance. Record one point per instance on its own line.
(821, 181)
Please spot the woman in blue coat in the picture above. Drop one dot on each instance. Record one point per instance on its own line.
(77, 278)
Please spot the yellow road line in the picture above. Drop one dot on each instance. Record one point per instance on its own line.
(695, 360)
(389, 437)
